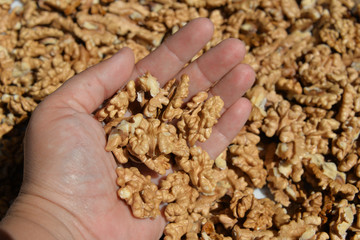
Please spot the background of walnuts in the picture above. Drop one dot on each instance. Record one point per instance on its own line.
(301, 140)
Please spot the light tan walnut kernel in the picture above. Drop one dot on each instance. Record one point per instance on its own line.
(139, 192)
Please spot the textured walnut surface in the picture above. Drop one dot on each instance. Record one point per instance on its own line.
(301, 141)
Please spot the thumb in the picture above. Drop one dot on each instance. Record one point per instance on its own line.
(87, 90)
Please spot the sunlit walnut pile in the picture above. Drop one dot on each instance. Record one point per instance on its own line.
(160, 133)
(300, 145)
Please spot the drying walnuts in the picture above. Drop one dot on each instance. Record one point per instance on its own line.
(151, 137)
(301, 143)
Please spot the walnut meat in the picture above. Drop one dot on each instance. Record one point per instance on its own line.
(301, 141)
(149, 136)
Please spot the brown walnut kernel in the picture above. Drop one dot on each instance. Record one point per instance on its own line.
(139, 192)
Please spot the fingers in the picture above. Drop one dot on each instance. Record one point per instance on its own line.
(167, 60)
(87, 90)
(234, 84)
(213, 65)
(227, 128)
(236, 111)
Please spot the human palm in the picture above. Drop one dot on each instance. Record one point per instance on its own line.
(68, 174)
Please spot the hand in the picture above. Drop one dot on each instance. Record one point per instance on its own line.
(69, 188)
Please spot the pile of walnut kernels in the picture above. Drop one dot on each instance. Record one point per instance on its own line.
(301, 140)
(161, 134)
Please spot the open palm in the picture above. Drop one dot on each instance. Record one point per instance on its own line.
(69, 176)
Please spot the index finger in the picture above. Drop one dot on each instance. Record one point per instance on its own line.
(168, 59)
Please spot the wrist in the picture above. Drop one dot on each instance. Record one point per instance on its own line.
(32, 217)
